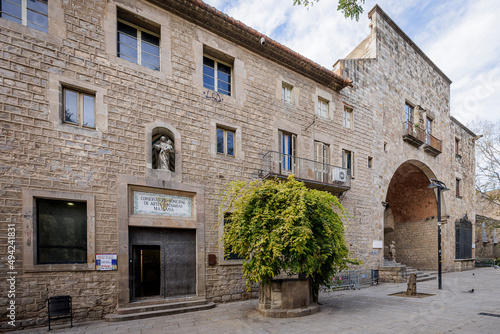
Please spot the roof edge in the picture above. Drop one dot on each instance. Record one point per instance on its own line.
(396, 28)
(457, 122)
(219, 23)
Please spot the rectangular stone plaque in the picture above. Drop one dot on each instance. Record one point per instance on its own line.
(162, 204)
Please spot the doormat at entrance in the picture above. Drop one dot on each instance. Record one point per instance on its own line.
(419, 294)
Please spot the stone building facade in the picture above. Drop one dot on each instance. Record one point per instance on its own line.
(89, 89)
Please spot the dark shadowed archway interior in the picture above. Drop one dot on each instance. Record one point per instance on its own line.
(409, 220)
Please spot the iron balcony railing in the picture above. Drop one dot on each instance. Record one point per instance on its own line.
(413, 133)
(309, 171)
(433, 142)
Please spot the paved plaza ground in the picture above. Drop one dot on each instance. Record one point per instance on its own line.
(369, 310)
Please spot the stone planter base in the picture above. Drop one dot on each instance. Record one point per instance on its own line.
(289, 313)
(286, 298)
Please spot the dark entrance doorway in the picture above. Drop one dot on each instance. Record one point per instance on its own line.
(147, 270)
(163, 262)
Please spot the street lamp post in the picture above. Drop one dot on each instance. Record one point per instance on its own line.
(440, 186)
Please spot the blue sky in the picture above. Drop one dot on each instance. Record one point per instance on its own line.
(462, 37)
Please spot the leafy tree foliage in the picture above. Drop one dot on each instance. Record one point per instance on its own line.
(350, 8)
(283, 226)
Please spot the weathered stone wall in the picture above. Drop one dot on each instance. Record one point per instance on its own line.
(416, 243)
(488, 213)
(391, 72)
(487, 246)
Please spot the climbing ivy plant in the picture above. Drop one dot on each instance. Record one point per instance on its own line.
(284, 227)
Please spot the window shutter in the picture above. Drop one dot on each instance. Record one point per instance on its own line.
(326, 153)
(317, 151)
(294, 138)
(353, 165)
(280, 142)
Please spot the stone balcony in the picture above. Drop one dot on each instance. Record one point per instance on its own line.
(315, 175)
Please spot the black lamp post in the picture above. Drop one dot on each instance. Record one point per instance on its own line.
(440, 187)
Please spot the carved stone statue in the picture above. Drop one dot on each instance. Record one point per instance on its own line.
(164, 153)
(392, 250)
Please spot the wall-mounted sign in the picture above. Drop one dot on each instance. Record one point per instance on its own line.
(162, 204)
(106, 262)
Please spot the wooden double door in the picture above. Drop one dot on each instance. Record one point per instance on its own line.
(162, 262)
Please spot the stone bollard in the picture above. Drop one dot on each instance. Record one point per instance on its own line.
(412, 285)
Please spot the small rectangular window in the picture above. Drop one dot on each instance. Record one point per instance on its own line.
(428, 126)
(370, 162)
(138, 45)
(216, 75)
(457, 188)
(348, 118)
(457, 146)
(61, 229)
(409, 113)
(348, 162)
(322, 107)
(79, 108)
(31, 13)
(225, 142)
(286, 93)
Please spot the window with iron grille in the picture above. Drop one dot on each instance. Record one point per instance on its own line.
(463, 239)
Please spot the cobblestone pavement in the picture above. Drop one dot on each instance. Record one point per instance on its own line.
(369, 310)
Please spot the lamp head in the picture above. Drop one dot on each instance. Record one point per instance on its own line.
(438, 184)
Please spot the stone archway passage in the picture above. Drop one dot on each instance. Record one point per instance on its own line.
(410, 217)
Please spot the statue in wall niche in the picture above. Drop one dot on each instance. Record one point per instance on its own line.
(392, 250)
(164, 154)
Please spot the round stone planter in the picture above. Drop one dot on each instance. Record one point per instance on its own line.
(286, 298)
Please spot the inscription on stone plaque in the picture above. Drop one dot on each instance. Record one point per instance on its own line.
(162, 204)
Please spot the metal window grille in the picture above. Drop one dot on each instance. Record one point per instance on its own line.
(463, 238)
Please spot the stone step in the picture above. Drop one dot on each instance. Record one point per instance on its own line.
(156, 311)
(428, 278)
(158, 306)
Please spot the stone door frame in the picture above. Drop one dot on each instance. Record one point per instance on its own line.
(124, 185)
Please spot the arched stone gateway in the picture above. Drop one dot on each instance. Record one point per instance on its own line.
(410, 217)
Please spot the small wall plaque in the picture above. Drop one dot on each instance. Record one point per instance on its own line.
(106, 262)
